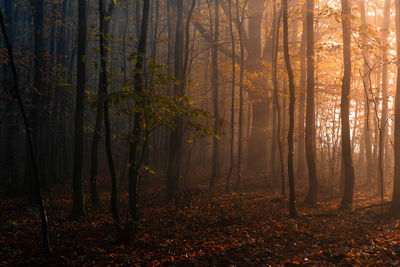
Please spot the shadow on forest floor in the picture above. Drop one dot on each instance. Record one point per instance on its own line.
(204, 227)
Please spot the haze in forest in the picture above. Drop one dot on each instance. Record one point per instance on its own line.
(120, 110)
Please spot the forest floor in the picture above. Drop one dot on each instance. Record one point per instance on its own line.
(203, 228)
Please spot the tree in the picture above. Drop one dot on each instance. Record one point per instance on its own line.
(310, 110)
(395, 208)
(37, 84)
(277, 110)
(239, 23)
(347, 200)
(383, 150)
(301, 159)
(137, 127)
(257, 147)
(365, 75)
(10, 167)
(31, 149)
(214, 83)
(175, 142)
(292, 201)
(77, 197)
(105, 16)
(228, 179)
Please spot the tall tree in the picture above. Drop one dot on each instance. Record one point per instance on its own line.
(105, 16)
(77, 197)
(395, 208)
(94, 154)
(277, 108)
(137, 127)
(239, 23)
(384, 115)
(10, 164)
(175, 142)
(228, 179)
(347, 200)
(365, 77)
(292, 192)
(310, 110)
(257, 146)
(214, 84)
(301, 159)
(31, 149)
(38, 51)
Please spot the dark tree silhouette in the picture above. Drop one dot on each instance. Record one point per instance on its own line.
(347, 200)
(77, 197)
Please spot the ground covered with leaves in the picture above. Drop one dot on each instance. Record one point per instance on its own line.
(203, 227)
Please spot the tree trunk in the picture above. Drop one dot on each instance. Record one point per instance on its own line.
(137, 127)
(36, 179)
(257, 146)
(384, 116)
(292, 192)
(232, 141)
(77, 197)
(277, 113)
(94, 195)
(38, 85)
(214, 83)
(347, 201)
(103, 84)
(395, 208)
(365, 77)
(310, 110)
(301, 153)
(175, 147)
(239, 22)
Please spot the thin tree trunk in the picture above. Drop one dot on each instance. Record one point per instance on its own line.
(277, 18)
(36, 178)
(310, 110)
(103, 84)
(215, 174)
(347, 201)
(94, 154)
(301, 159)
(292, 192)
(78, 203)
(137, 127)
(239, 21)
(38, 85)
(365, 76)
(395, 208)
(228, 178)
(384, 116)
(175, 142)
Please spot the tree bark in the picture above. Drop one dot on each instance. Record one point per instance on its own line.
(239, 22)
(175, 142)
(77, 197)
(365, 77)
(16, 95)
(103, 84)
(137, 127)
(215, 174)
(277, 109)
(292, 192)
(310, 110)
(395, 208)
(301, 153)
(347, 200)
(384, 115)
(232, 141)
(257, 146)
